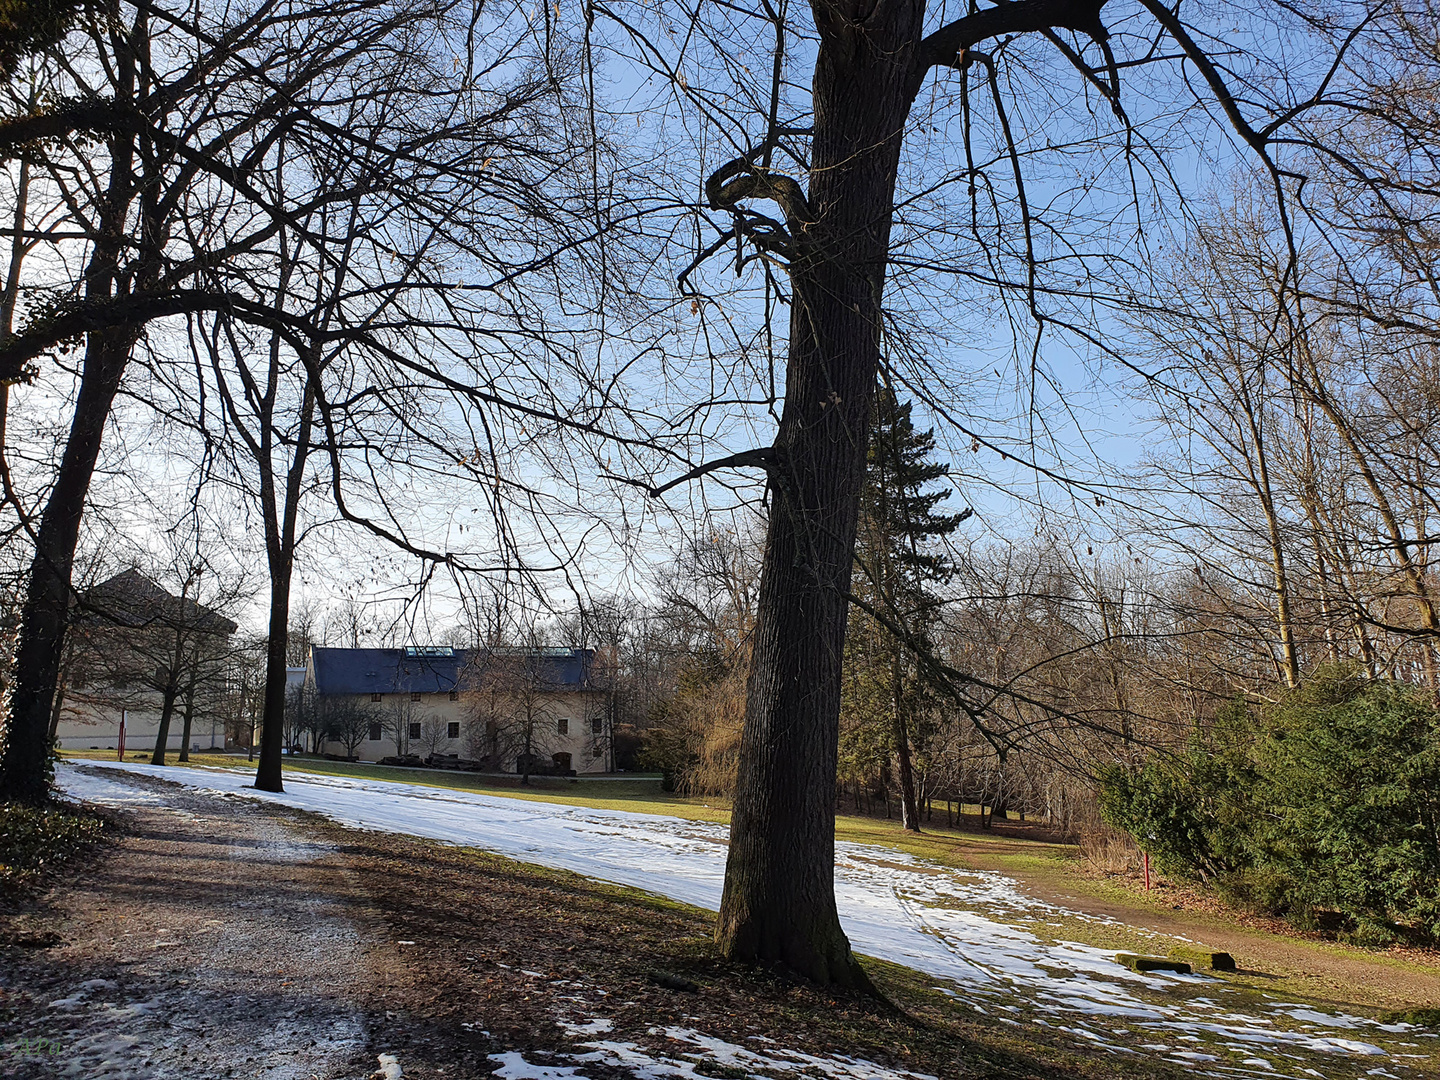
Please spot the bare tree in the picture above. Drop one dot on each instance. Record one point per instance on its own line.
(144, 642)
(401, 720)
(303, 632)
(348, 722)
(810, 197)
(147, 255)
(343, 224)
(242, 697)
(434, 733)
(303, 716)
(512, 705)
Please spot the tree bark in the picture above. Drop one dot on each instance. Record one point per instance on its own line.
(162, 734)
(272, 726)
(57, 708)
(909, 803)
(1000, 806)
(1283, 615)
(909, 810)
(280, 529)
(25, 760)
(779, 899)
(189, 717)
(25, 766)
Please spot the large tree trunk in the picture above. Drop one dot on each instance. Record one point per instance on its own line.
(272, 726)
(280, 527)
(25, 766)
(25, 763)
(779, 899)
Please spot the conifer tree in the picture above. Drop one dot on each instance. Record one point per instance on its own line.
(897, 567)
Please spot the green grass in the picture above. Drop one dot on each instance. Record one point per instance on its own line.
(958, 848)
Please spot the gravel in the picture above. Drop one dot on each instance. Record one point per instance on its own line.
(222, 944)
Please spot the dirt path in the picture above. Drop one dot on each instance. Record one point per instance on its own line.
(216, 941)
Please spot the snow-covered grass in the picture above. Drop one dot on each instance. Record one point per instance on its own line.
(977, 935)
(638, 793)
(693, 1055)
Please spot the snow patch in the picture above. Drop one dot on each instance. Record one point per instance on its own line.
(699, 1051)
(586, 1027)
(513, 1066)
(953, 925)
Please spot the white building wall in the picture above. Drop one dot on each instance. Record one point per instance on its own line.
(91, 727)
(588, 748)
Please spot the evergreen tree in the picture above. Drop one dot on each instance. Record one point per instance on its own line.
(897, 565)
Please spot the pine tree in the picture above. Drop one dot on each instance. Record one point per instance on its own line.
(897, 566)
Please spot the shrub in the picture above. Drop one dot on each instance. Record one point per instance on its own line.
(1193, 811)
(1328, 801)
(1161, 812)
(1259, 888)
(1353, 775)
(33, 839)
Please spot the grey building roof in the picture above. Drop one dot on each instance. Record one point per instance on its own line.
(130, 599)
(431, 669)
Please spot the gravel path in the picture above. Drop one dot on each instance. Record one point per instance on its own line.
(221, 944)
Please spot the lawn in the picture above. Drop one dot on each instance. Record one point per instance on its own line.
(639, 792)
(1284, 962)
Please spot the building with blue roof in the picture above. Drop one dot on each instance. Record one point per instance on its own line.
(528, 710)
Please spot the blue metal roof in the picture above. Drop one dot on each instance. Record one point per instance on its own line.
(436, 669)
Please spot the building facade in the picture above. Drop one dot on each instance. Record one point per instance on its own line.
(136, 654)
(536, 710)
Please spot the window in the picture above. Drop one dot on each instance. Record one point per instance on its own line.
(429, 650)
(562, 727)
(597, 727)
(375, 733)
(454, 695)
(376, 697)
(596, 750)
(414, 729)
(414, 695)
(452, 729)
